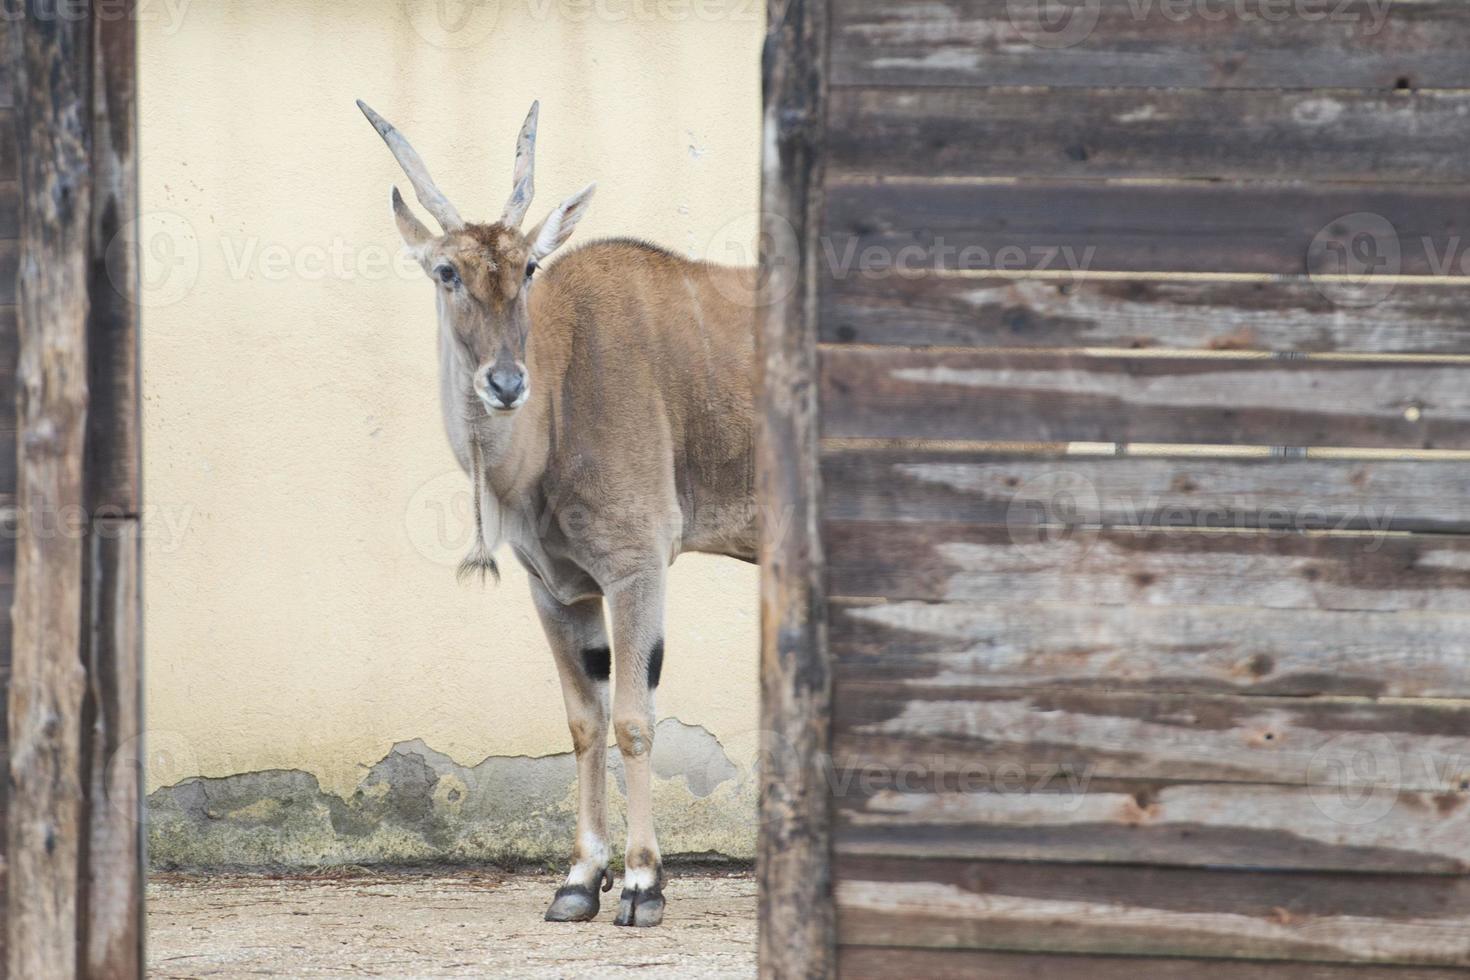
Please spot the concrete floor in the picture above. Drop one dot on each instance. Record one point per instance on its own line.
(453, 924)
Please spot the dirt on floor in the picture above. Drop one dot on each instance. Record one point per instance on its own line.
(441, 924)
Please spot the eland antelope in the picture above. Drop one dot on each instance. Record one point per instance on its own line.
(602, 407)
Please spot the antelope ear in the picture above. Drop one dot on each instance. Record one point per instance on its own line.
(553, 233)
(411, 229)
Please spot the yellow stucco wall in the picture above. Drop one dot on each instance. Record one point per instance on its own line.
(305, 514)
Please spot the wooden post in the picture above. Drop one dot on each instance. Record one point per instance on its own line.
(75, 843)
(111, 921)
(47, 813)
(797, 934)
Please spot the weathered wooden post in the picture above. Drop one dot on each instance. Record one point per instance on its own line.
(75, 833)
(797, 937)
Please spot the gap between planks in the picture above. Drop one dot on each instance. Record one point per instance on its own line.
(1212, 608)
(1153, 353)
(1150, 450)
(966, 180)
(1122, 275)
(1187, 529)
(1066, 91)
(1102, 694)
(851, 179)
(861, 961)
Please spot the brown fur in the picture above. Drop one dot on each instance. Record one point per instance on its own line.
(645, 367)
(633, 444)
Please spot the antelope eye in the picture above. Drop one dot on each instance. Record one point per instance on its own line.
(531, 268)
(446, 274)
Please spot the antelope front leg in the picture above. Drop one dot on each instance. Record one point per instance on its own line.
(579, 643)
(638, 621)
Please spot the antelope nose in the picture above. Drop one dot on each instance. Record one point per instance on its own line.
(506, 386)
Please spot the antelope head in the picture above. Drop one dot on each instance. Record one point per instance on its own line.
(483, 273)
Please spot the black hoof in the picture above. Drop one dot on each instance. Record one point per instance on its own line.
(641, 908)
(577, 903)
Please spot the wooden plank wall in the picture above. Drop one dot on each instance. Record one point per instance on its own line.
(1144, 515)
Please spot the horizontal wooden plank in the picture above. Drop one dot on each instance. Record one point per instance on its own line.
(1116, 567)
(1292, 315)
(885, 963)
(1255, 44)
(1062, 226)
(1152, 648)
(1116, 910)
(1422, 746)
(1244, 134)
(1175, 491)
(901, 393)
(1042, 814)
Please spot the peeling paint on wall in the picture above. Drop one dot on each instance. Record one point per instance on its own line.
(417, 805)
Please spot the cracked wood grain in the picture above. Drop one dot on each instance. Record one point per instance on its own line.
(797, 936)
(1327, 44)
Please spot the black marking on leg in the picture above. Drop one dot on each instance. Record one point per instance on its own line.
(597, 662)
(656, 663)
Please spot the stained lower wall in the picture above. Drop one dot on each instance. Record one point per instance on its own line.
(319, 687)
(417, 805)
